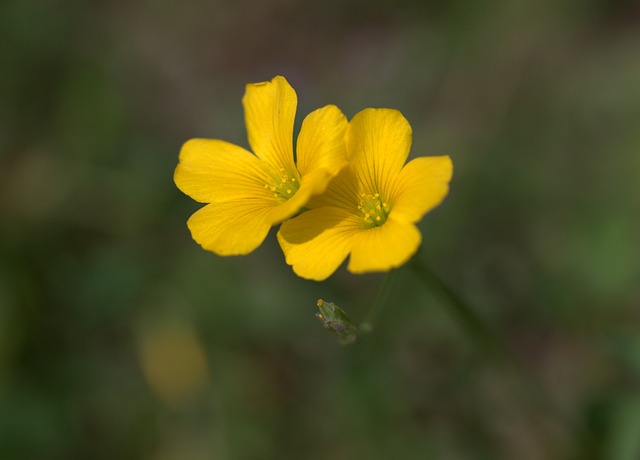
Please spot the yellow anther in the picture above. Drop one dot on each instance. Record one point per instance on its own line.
(373, 209)
(284, 185)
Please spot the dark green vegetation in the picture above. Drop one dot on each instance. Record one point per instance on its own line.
(121, 339)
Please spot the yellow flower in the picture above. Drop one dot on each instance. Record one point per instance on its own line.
(247, 193)
(370, 209)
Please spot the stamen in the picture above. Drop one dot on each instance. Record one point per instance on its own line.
(284, 185)
(374, 210)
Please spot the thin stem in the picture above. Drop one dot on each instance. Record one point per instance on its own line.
(469, 320)
(494, 346)
(381, 300)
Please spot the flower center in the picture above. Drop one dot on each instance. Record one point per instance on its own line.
(373, 209)
(283, 185)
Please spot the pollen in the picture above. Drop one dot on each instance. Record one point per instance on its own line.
(374, 210)
(284, 184)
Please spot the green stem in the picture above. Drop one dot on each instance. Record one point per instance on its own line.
(381, 300)
(496, 348)
(469, 320)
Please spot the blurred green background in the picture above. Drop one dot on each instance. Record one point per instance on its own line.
(121, 339)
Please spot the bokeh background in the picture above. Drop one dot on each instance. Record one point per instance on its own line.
(121, 339)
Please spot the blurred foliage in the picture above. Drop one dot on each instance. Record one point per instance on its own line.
(121, 338)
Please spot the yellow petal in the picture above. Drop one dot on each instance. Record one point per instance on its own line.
(310, 185)
(385, 247)
(213, 170)
(318, 241)
(378, 143)
(421, 186)
(321, 141)
(230, 228)
(269, 111)
(342, 192)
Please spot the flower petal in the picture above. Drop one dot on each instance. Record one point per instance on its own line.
(318, 241)
(342, 192)
(421, 186)
(230, 228)
(269, 111)
(321, 141)
(310, 185)
(385, 247)
(213, 170)
(378, 143)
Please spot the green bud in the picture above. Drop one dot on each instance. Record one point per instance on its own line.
(336, 321)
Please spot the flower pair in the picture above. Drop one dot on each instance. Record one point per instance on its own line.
(358, 197)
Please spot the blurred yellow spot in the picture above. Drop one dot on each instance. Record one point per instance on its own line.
(173, 361)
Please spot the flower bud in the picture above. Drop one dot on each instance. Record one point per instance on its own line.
(337, 322)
